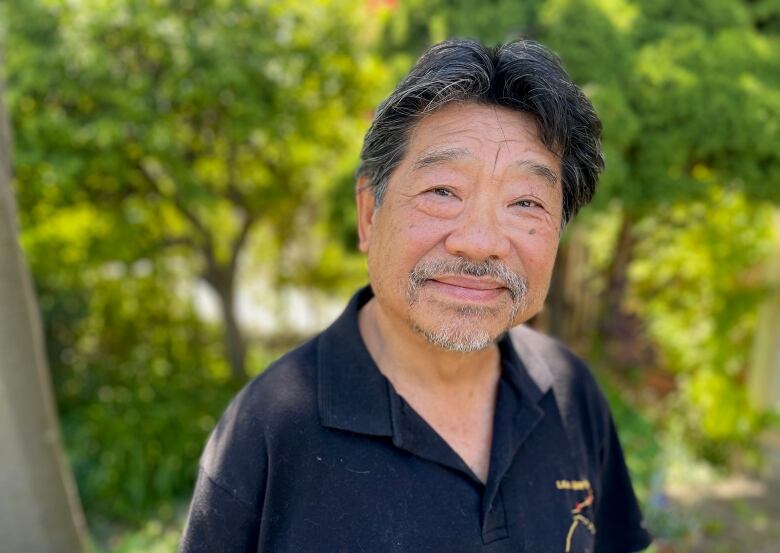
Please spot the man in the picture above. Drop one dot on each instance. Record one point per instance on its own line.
(416, 422)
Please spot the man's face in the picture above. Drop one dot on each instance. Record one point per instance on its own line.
(463, 245)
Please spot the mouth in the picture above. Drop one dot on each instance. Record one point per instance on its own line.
(470, 289)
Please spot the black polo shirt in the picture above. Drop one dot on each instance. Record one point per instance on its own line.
(320, 454)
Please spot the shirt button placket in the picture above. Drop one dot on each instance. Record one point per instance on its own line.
(494, 525)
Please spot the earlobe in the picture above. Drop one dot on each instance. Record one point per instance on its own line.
(364, 200)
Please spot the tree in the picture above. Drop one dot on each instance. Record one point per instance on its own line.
(39, 510)
(198, 124)
(159, 144)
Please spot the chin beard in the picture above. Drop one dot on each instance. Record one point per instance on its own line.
(455, 339)
(465, 332)
(466, 329)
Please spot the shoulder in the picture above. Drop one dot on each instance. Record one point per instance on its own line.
(286, 388)
(555, 369)
(553, 365)
(281, 398)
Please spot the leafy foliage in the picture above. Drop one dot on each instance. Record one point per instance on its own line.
(639, 441)
(196, 123)
(153, 141)
(692, 283)
(140, 381)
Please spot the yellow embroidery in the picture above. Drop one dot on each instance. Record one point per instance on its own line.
(585, 522)
(572, 484)
(577, 516)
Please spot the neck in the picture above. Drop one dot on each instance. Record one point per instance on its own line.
(410, 362)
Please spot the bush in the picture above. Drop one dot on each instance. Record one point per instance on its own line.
(139, 382)
(695, 286)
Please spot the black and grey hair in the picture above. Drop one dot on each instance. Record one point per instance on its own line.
(522, 75)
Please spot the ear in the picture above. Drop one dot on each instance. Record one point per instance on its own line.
(364, 198)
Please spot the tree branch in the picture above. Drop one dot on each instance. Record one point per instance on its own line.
(234, 193)
(173, 241)
(186, 212)
(240, 241)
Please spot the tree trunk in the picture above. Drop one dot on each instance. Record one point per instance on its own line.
(223, 282)
(617, 273)
(39, 507)
(571, 307)
(622, 333)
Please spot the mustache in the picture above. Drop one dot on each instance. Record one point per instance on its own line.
(496, 270)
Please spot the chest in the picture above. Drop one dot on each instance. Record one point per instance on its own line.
(468, 431)
(350, 493)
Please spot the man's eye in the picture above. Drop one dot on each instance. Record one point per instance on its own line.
(439, 191)
(527, 203)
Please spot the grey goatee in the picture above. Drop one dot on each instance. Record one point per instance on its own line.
(455, 335)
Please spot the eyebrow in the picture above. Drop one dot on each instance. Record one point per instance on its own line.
(538, 169)
(431, 158)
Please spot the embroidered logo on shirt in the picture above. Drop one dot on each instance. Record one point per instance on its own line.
(578, 518)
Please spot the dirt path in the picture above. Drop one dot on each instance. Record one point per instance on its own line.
(740, 514)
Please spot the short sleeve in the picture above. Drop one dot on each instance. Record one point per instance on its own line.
(618, 518)
(218, 521)
(227, 503)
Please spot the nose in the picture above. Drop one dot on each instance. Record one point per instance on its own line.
(478, 235)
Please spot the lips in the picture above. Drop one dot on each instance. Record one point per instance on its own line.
(468, 289)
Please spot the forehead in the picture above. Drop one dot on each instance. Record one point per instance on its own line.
(469, 130)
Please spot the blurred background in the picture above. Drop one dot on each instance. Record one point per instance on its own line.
(183, 171)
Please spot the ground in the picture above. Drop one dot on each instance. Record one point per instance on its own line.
(738, 514)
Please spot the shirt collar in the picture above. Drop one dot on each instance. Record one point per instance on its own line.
(355, 396)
